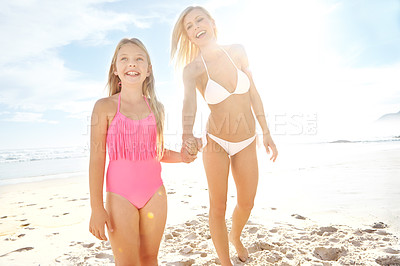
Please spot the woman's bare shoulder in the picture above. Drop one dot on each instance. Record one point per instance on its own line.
(194, 69)
(236, 50)
(238, 54)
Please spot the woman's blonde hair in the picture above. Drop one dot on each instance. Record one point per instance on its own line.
(185, 50)
(148, 91)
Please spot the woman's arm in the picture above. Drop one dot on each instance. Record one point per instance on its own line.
(98, 134)
(257, 105)
(189, 101)
(189, 108)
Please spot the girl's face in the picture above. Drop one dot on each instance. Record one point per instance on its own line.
(199, 27)
(131, 65)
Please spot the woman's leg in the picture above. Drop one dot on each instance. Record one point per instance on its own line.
(152, 223)
(124, 239)
(245, 174)
(216, 164)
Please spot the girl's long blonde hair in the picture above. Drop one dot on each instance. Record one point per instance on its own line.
(147, 90)
(185, 50)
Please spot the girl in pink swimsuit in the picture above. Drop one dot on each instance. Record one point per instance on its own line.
(129, 123)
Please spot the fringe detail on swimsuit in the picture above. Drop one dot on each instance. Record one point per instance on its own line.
(132, 139)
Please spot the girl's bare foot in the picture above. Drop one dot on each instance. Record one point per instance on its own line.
(242, 252)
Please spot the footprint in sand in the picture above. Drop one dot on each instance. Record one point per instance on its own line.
(327, 230)
(274, 230)
(187, 262)
(88, 245)
(168, 236)
(104, 256)
(329, 254)
(18, 250)
(356, 243)
(252, 230)
(391, 260)
(392, 251)
(186, 250)
(298, 216)
(379, 225)
(382, 232)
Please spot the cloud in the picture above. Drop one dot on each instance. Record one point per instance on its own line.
(33, 76)
(34, 27)
(45, 83)
(28, 117)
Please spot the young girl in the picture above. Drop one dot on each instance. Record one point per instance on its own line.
(221, 75)
(130, 123)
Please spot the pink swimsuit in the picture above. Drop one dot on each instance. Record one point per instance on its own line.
(133, 171)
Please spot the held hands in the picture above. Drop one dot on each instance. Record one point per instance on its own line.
(190, 148)
(98, 218)
(270, 146)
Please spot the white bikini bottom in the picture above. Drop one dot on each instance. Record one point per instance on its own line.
(231, 148)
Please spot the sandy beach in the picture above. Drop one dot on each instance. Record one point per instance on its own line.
(341, 207)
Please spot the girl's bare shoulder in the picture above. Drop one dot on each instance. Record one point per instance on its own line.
(106, 105)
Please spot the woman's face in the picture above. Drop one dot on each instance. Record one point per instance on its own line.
(199, 27)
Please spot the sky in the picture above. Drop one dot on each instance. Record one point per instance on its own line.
(323, 68)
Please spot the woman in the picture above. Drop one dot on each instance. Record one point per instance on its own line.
(222, 76)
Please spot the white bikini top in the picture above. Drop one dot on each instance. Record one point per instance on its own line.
(215, 93)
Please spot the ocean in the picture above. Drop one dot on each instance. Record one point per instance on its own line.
(30, 165)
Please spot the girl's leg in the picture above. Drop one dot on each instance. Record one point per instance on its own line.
(216, 164)
(245, 174)
(152, 223)
(124, 239)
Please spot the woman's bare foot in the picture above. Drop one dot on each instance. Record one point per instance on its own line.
(242, 252)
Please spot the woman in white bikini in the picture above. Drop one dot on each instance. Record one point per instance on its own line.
(222, 76)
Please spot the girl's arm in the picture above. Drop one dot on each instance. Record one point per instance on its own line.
(98, 134)
(171, 157)
(257, 105)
